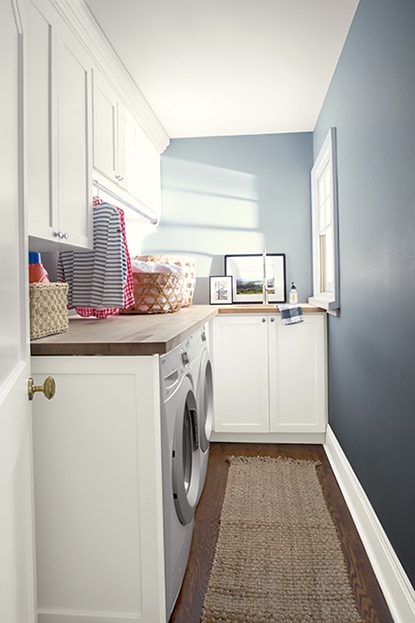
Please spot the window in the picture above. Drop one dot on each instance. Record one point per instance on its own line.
(325, 227)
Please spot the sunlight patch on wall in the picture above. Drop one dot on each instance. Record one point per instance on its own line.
(203, 243)
(207, 210)
(207, 179)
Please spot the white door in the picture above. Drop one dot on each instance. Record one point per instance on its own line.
(17, 601)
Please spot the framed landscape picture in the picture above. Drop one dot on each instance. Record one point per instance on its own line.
(248, 273)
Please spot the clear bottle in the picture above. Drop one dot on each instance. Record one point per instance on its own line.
(37, 272)
(293, 294)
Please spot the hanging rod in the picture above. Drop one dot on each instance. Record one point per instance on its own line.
(153, 220)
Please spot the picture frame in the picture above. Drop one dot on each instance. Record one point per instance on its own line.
(247, 272)
(220, 290)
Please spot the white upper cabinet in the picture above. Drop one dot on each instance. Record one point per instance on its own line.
(122, 152)
(106, 142)
(84, 120)
(73, 92)
(42, 215)
(58, 135)
(143, 167)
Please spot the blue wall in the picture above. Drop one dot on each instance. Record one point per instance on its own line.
(371, 101)
(237, 195)
(212, 181)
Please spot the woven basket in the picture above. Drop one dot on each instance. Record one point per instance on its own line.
(48, 313)
(156, 293)
(189, 271)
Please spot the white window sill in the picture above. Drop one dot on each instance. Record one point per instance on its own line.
(329, 304)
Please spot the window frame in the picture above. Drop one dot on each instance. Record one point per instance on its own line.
(326, 161)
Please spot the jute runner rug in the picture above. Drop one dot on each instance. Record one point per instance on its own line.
(278, 557)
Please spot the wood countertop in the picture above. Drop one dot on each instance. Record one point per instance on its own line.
(129, 334)
(140, 334)
(261, 308)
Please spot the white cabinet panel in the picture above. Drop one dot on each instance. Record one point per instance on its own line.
(144, 169)
(97, 463)
(58, 136)
(240, 350)
(122, 152)
(74, 141)
(105, 127)
(42, 217)
(269, 377)
(298, 376)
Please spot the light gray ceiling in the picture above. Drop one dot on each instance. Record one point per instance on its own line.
(226, 67)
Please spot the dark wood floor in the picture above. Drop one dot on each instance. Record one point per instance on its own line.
(369, 598)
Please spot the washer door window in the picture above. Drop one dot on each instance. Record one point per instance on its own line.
(185, 457)
(205, 403)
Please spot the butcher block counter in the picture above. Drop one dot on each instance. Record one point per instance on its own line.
(261, 308)
(139, 334)
(129, 334)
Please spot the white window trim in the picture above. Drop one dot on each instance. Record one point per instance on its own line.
(326, 157)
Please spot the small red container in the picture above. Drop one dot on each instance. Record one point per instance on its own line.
(37, 272)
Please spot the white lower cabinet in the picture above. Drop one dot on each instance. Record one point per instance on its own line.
(269, 378)
(98, 491)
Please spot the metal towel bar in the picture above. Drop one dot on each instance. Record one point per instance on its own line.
(153, 219)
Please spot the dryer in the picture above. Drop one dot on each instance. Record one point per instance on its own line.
(202, 372)
(180, 463)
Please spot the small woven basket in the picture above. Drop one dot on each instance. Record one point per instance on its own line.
(189, 271)
(48, 313)
(156, 293)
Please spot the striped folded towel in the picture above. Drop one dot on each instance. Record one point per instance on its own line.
(291, 314)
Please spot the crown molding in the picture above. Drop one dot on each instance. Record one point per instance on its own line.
(82, 23)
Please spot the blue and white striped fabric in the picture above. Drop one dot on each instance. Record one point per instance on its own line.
(291, 314)
(96, 278)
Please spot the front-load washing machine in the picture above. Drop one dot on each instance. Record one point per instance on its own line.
(180, 463)
(202, 372)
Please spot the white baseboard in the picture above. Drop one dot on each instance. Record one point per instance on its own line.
(397, 589)
(76, 616)
(268, 437)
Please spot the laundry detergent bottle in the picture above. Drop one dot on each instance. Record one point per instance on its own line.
(293, 294)
(37, 272)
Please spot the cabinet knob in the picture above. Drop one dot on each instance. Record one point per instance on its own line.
(272, 319)
(263, 319)
(62, 235)
(48, 388)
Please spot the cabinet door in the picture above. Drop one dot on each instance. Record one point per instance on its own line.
(73, 101)
(105, 128)
(57, 142)
(122, 152)
(98, 490)
(110, 129)
(143, 168)
(240, 358)
(298, 375)
(39, 41)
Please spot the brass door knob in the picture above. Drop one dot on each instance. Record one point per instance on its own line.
(48, 388)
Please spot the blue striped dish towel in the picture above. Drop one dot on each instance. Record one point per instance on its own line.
(96, 278)
(291, 314)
